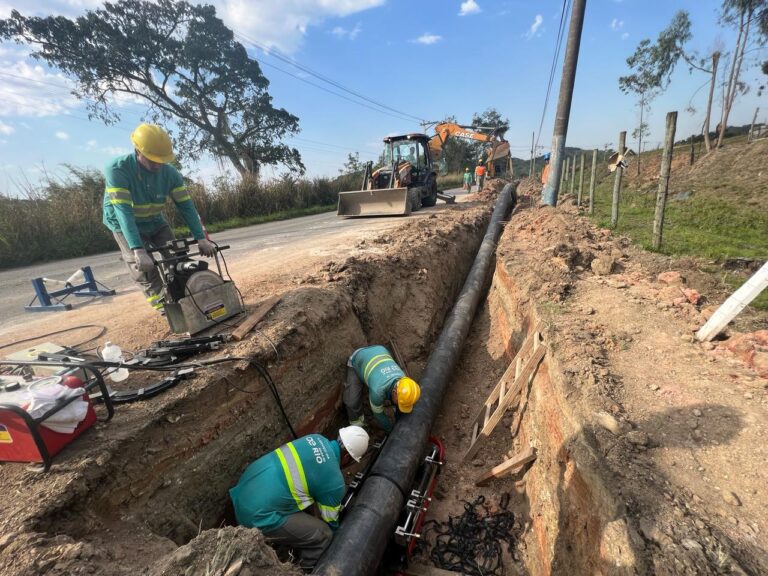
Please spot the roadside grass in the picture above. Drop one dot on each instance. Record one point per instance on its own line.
(717, 209)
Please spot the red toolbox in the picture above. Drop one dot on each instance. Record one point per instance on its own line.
(26, 439)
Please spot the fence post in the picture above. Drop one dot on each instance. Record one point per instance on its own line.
(573, 174)
(693, 158)
(581, 180)
(752, 126)
(617, 182)
(592, 182)
(666, 163)
(563, 176)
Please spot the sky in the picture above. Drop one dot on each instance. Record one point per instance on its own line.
(427, 60)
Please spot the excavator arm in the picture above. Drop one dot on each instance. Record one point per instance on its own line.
(446, 130)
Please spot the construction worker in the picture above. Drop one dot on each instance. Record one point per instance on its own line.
(387, 386)
(274, 491)
(545, 170)
(480, 175)
(137, 186)
(467, 180)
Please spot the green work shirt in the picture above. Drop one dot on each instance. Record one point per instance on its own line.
(375, 366)
(290, 479)
(135, 197)
(467, 178)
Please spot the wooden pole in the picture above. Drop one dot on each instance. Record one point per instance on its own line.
(752, 126)
(693, 157)
(617, 182)
(666, 164)
(581, 180)
(533, 156)
(592, 182)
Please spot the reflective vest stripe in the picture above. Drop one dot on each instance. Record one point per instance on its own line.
(329, 513)
(180, 194)
(372, 363)
(147, 210)
(294, 475)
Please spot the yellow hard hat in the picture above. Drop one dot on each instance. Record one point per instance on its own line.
(408, 392)
(153, 142)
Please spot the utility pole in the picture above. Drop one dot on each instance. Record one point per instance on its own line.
(533, 156)
(592, 182)
(549, 194)
(617, 181)
(581, 180)
(666, 163)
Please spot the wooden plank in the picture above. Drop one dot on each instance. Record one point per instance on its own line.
(255, 317)
(526, 372)
(508, 466)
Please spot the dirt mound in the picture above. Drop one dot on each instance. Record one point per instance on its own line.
(225, 552)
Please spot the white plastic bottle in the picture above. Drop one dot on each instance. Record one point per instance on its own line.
(112, 353)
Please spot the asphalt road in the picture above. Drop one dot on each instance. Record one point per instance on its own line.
(16, 289)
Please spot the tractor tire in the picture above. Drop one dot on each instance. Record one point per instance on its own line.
(414, 197)
(431, 199)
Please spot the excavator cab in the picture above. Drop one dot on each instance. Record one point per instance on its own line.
(404, 181)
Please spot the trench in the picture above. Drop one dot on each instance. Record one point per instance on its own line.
(169, 483)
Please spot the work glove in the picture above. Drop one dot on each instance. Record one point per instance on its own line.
(206, 247)
(143, 260)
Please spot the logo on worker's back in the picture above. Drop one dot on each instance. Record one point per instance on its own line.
(318, 451)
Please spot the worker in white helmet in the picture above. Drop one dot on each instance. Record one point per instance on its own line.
(137, 187)
(275, 491)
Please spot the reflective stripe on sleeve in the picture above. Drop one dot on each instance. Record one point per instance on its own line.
(294, 475)
(329, 513)
(119, 196)
(180, 194)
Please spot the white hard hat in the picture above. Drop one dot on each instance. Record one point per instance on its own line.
(355, 440)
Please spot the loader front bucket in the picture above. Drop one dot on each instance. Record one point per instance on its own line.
(384, 202)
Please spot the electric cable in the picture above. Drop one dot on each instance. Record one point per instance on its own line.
(553, 68)
(102, 331)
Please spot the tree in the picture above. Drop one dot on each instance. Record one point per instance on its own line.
(180, 59)
(740, 14)
(458, 153)
(352, 165)
(653, 64)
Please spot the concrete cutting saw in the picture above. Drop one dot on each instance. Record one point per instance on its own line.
(196, 297)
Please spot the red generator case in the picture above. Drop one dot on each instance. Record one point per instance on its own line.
(26, 439)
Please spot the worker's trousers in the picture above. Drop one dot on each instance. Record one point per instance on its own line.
(150, 282)
(354, 390)
(480, 182)
(307, 535)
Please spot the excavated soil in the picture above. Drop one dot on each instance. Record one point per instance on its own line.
(650, 447)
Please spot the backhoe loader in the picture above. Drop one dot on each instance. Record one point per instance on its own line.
(407, 177)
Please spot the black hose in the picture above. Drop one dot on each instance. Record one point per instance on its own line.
(359, 544)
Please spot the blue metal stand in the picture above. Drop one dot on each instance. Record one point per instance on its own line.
(54, 301)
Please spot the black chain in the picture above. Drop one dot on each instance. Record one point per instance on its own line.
(471, 543)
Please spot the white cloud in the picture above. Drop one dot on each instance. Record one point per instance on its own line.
(32, 90)
(61, 135)
(625, 36)
(115, 150)
(281, 25)
(427, 39)
(341, 32)
(617, 24)
(6, 129)
(469, 7)
(284, 24)
(537, 22)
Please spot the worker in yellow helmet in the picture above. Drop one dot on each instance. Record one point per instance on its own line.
(374, 367)
(137, 187)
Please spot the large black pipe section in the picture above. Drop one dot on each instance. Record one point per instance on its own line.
(359, 544)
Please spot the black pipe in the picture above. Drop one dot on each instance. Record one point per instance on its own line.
(359, 544)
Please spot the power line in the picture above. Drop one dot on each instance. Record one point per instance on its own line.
(553, 68)
(306, 69)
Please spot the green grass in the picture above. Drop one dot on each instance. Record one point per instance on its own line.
(703, 225)
(241, 222)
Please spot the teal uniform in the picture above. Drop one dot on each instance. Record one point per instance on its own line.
(135, 197)
(288, 480)
(376, 368)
